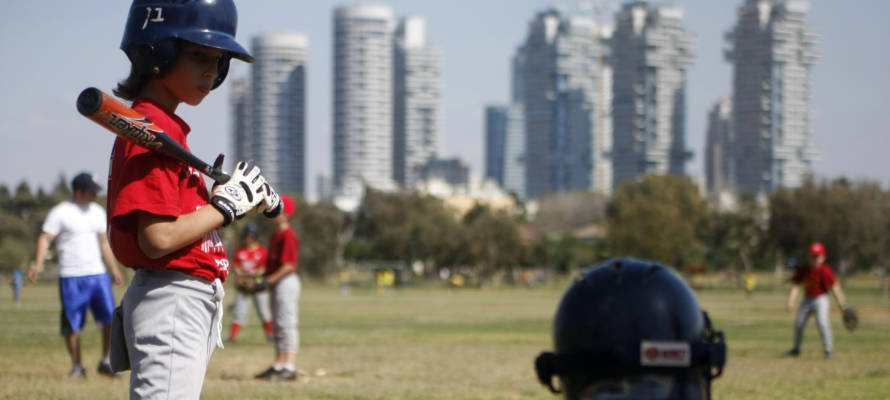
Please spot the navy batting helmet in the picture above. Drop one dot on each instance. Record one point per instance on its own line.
(155, 26)
(632, 329)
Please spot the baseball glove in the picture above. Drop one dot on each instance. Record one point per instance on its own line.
(251, 283)
(851, 319)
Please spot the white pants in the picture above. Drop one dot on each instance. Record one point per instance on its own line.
(171, 325)
(286, 313)
(817, 305)
(260, 302)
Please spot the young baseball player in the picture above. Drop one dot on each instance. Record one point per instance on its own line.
(284, 284)
(163, 221)
(250, 260)
(817, 278)
(78, 229)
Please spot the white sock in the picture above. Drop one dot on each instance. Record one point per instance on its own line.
(290, 367)
(277, 367)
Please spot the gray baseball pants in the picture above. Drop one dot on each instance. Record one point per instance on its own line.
(171, 324)
(817, 305)
(260, 302)
(286, 313)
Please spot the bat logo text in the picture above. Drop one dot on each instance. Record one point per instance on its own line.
(136, 130)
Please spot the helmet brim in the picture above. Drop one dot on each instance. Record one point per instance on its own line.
(217, 40)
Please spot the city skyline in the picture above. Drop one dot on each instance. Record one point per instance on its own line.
(850, 92)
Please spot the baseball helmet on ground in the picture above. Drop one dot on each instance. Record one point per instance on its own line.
(154, 28)
(632, 329)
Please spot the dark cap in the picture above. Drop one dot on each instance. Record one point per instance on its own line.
(252, 231)
(84, 181)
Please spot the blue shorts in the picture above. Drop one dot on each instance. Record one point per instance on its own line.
(80, 292)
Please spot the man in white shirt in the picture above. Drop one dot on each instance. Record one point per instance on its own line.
(79, 229)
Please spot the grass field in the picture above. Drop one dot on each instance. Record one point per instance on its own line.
(437, 343)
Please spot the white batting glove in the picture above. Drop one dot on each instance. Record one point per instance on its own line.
(273, 204)
(240, 194)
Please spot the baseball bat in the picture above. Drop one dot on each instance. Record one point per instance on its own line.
(134, 127)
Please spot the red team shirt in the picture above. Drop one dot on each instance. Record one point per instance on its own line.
(282, 250)
(817, 280)
(250, 260)
(141, 180)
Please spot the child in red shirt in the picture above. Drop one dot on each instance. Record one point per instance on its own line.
(159, 221)
(817, 279)
(250, 260)
(285, 286)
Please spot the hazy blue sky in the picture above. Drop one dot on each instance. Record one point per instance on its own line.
(51, 50)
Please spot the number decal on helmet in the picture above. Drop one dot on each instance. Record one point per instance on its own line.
(158, 17)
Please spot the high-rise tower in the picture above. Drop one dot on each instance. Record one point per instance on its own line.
(651, 53)
(772, 52)
(363, 97)
(718, 148)
(269, 110)
(417, 112)
(557, 73)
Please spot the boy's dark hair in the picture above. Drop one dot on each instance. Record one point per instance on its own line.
(130, 87)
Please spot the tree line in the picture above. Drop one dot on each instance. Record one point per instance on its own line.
(662, 218)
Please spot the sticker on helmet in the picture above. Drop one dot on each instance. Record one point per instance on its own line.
(664, 354)
(158, 17)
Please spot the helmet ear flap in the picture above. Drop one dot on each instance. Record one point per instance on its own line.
(545, 366)
(154, 60)
(141, 58)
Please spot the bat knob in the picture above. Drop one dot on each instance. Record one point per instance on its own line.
(89, 101)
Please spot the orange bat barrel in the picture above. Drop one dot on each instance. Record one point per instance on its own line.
(119, 118)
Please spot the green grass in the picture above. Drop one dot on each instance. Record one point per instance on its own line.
(436, 343)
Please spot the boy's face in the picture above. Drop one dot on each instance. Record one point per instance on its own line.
(817, 259)
(195, 72)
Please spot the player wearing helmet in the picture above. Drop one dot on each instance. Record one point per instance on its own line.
(160, 223)
(632, 329)
(817, 278)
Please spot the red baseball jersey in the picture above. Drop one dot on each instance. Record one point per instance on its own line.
(250, 260)
(142, 180)
(283, 249)
(816, 281)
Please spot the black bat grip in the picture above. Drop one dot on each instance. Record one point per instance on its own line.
(217, 175)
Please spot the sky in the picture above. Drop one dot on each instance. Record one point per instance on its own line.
(50, 51)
